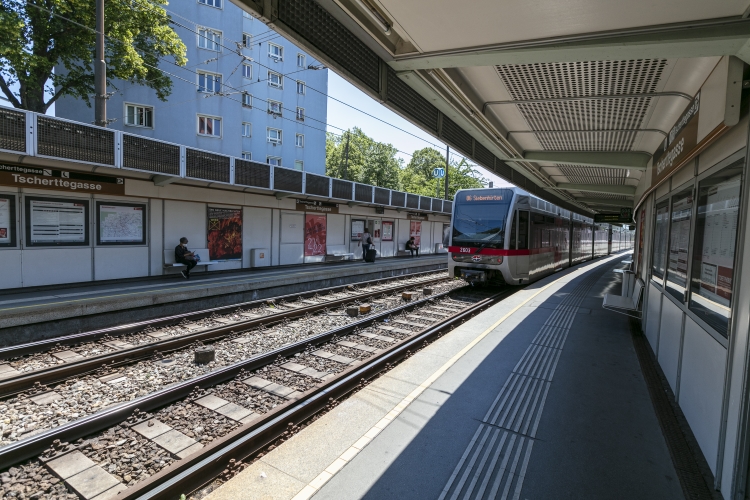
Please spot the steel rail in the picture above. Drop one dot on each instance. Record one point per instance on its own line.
(190, 474)
(55, 374)
(34, 445)
(77, 338)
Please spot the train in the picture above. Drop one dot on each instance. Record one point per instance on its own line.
(507, 236)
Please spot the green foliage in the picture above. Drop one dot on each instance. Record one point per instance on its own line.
(36, 40)
(369, 161)
(375, 163)
(417, 176)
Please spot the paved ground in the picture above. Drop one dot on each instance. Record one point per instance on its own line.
(541, 396)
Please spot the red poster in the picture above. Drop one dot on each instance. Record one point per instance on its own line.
(224, 233)
(415, 230)
(315, 235)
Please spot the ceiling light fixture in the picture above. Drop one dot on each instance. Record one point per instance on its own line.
(375, 15)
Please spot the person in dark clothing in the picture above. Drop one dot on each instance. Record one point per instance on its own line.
(184, 256)
(412, 246)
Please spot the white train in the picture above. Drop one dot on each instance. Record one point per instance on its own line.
(508, 236)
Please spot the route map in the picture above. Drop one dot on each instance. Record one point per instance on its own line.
(120, 224)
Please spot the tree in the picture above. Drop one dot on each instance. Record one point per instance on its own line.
(48, 47)
(417, 176)
(367, 161)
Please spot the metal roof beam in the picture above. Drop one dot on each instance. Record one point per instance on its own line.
(607, 159)
(597, 188)
(714, 37)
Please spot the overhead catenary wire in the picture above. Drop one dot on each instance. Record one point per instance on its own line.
(232, 51)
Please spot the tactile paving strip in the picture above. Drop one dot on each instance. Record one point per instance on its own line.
(495, 461)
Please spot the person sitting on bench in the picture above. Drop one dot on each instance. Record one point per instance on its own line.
(412, 246)
(184, 256)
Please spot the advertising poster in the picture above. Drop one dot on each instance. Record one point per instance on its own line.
(376, 232)
(57, 222)
(224, 233)
(721, 216)
(121, 224)
(415, 230)
(358, 227)
(387, 230)
(6, 203)
(315, 235)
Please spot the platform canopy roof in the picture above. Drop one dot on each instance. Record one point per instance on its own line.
(566, 98)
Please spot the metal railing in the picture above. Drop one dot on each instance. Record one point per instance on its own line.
(37, 135)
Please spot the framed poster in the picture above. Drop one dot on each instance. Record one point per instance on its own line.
(376, 232)
(358, 227)
(315, 235)
(415, 230)
(120, 223)
(56, 222)
(7, 220)
(224, 233)
(387, 230)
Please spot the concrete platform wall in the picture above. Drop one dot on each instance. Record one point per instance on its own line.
(173, 211)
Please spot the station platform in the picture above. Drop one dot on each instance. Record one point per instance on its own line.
(541, 396)
(47, 312)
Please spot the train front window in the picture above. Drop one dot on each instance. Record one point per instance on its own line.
(480, 223)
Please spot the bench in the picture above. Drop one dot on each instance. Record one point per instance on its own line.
(402, 252)
(169, 262)
(336, 253)
(627, 305)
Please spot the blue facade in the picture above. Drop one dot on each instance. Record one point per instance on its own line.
(177, 120)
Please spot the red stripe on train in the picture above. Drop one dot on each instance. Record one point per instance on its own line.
(487, 251)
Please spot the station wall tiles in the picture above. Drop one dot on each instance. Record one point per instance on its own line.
(702, 387)
(292, 240)
(670, 331)
(156, 236)
(256, 228)
(183, 218)
(120, 262)
(11, 276)
(336, 230)
(653, 317)
(402, 233)
(275, 228)
(437, 234)
(52, 266)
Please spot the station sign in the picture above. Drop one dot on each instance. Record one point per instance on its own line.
(680, 144)
(60, 180)
(416, 216)
(316, 206)
(625, 215)
(438, 172)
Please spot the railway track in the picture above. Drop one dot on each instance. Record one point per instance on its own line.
(229, 413)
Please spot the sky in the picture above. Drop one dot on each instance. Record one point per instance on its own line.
(344, 117)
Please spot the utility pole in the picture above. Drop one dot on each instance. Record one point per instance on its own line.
(447, 163)
(100, 69)
(346, 156)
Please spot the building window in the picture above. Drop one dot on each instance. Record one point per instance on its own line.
(139, 116)
(247, 129)
(274, 136)
(299, 140)
(209, 82)
(247, 155)
(247, 40)
(274, 107)
(247, 100)
(247, 71)
(300, 87)
(275, 52)
(299, 165)
(209, 39)
(209, 125)
(301, 114)
(273, 160)
(275, 80)
(300, 60)
(212, 3)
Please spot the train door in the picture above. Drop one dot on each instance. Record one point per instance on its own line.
(519, 240)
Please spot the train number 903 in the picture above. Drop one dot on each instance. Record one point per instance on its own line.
(465, 250)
